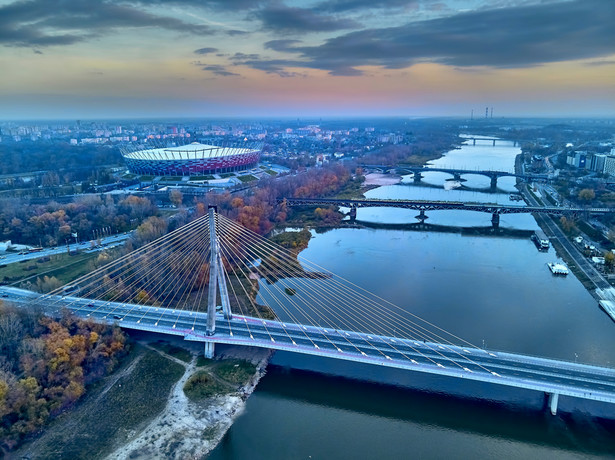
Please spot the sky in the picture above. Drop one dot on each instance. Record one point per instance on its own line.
(323, 58)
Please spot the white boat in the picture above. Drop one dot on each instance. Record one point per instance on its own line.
(558, 269)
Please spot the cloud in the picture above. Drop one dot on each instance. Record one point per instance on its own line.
(502, 38)
(341, 6)
(282, 45)
(600, 63)
(206, 50)
(283, 19)
(219, 70)
(65, 22)
(222, 5)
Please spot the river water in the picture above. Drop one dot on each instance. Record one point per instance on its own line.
(492, 288)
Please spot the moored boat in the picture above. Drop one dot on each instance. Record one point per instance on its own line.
(557, 268)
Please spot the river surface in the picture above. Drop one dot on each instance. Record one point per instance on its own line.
(492, 288)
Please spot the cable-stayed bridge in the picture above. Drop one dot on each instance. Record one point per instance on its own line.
(214, 281)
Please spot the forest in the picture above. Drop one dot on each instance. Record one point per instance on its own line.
(46, 365)
(53, 224)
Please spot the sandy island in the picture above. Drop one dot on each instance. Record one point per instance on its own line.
(376, 179)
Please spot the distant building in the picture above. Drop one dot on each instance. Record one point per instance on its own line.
(597, 163)
(577, 159)
(609, 165)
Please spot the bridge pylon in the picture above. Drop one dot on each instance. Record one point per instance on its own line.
(216, 281)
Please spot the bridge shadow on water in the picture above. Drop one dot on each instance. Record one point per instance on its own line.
(523, 418)
(500, 232)
(487, 190)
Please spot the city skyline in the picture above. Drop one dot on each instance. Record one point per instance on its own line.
(186, 58)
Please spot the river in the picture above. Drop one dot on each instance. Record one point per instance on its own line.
(491, 288)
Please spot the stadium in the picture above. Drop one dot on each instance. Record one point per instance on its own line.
(190, 159)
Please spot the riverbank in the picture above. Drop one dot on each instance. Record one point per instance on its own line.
(140, 411)
(189, 429)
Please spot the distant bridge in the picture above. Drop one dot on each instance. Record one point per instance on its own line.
(418, 172)
(426, 205)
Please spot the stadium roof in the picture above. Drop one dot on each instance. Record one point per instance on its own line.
(191, 151)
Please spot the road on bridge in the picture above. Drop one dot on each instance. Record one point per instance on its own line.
(541, 374)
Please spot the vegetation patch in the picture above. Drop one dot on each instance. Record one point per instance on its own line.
(225, 175)
(271, 172)
(202, 385)
(206, 177)
(247, 178)
(59, 269)
(112, 414)
(173, 350)
(293, 240)
(235, 371)
(202, 361)
(47, 366)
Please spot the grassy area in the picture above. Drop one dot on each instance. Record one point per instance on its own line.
(107, 419)
(218, 376)
(63, 266)
(172, 350)
(352, 189)
(207, 177)
(146, 178)
(293, 240)
(228, 174)
(234, 371)
(171, 178)
(271, 172)
(202, 385)
(202, 361)
(247, 178)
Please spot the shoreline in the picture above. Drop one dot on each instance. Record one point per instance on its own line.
(189, 429)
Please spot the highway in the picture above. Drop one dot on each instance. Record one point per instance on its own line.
(554, 231)
(520, 371)
(106, 242)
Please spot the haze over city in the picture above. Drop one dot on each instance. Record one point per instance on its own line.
(186, 58)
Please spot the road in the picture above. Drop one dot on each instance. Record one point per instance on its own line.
(554, 231)
(106, 242)
(546, 375)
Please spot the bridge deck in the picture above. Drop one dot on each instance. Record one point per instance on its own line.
(429, 205)
(515, 370)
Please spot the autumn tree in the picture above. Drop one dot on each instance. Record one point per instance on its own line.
(587, 194)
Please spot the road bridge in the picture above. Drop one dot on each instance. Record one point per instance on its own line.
(188, 283)
(427, 205)
(557, 378)
(418, 171)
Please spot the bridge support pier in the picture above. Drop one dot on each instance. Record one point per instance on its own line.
(422, 217)
(417, 176)
(494, 182)
(209, 349)
(353, 213)
(553, 400)
(473, 141)
(457, 176)
(494, 142)
(495, 220)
